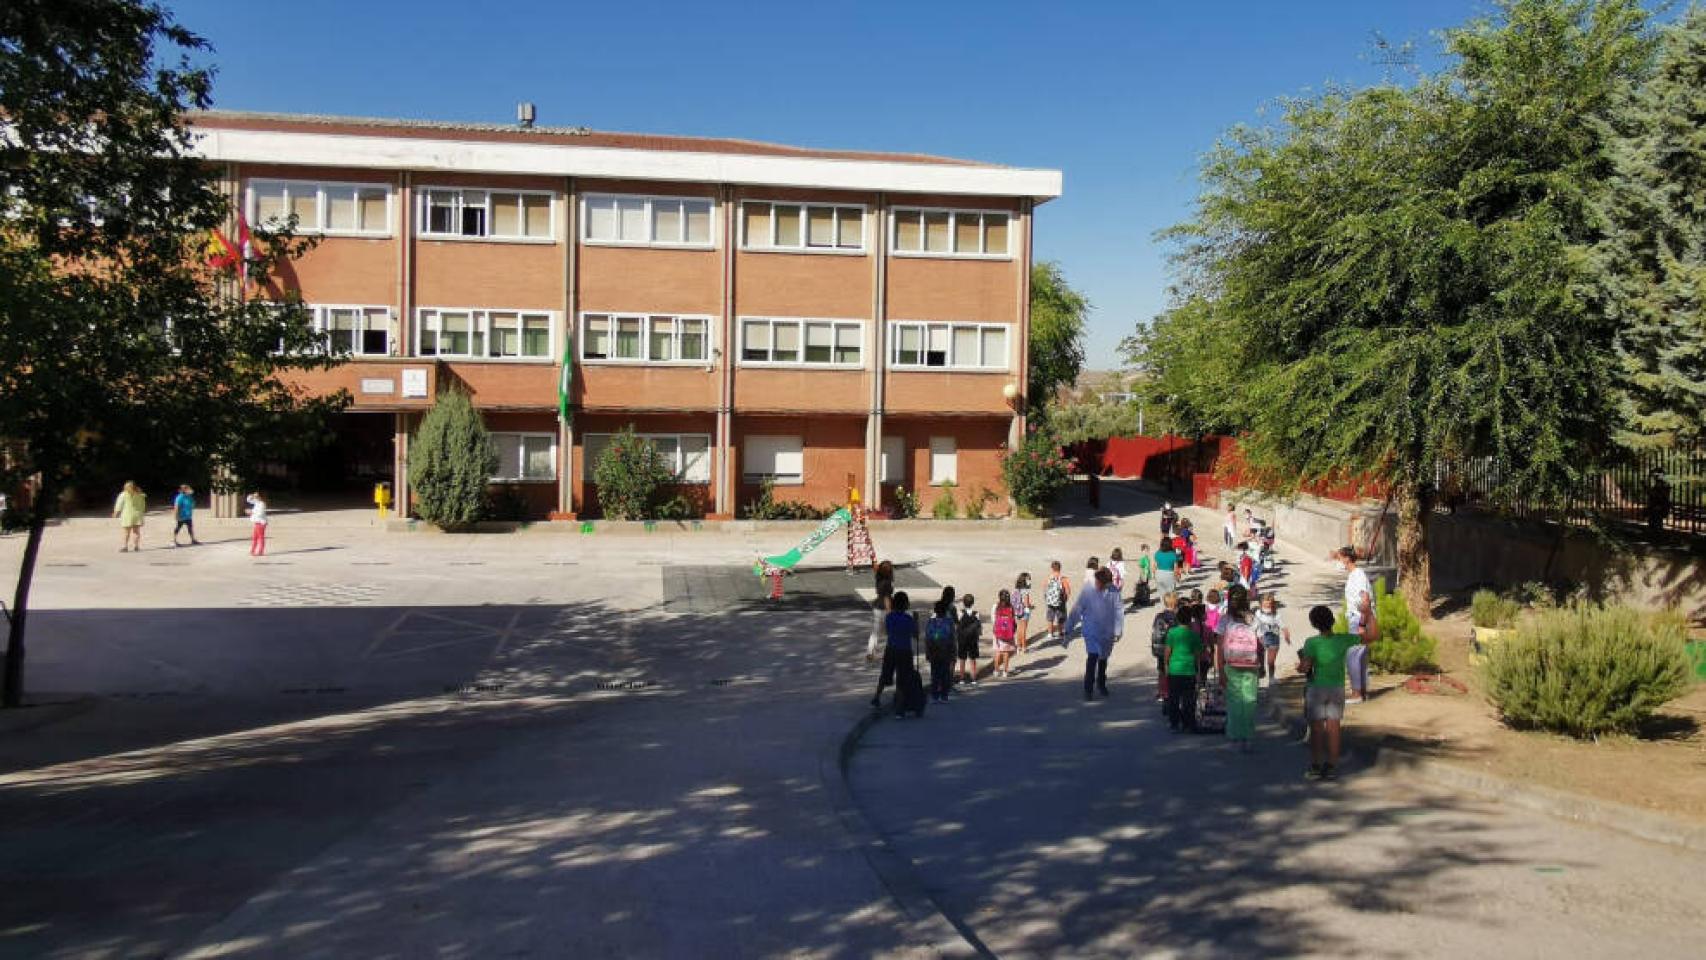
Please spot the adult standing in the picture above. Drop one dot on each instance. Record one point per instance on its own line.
(1166, 567)
(1229, 529)
(129, 508)
(902, 631)
(1098, 612)
(1323, 659)
(183, 507)
(1359, 596)
(1237, 659)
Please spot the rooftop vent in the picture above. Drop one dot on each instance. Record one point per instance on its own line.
(524, 114)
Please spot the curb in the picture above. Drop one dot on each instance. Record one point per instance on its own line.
(34, 716)
(1392, 761)
(1618, 817)
(927, 924)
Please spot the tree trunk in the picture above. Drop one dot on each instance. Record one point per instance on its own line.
(12, 694)
(1415, 573)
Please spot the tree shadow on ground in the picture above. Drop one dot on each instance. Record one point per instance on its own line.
(601, 783)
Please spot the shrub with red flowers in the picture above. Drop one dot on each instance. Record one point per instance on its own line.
(1036, 472)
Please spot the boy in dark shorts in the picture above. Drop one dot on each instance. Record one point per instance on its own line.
(968, 633)
(1055, 595)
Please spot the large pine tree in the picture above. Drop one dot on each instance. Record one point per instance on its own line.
(1652, 264)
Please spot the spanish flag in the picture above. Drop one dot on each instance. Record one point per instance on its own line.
(221, 253)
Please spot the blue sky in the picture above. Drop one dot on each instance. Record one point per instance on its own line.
(1124, 97)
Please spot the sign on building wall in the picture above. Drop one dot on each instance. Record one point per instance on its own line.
(384, 385)
(414, 383)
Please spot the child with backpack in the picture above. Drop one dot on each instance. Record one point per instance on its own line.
(1055, 595)
(1213, 611)
(1237, 658)
(1164, 621)
(1116, 563)
(968, 633)
(1004, 622)
(939, 647)
(1022, 607)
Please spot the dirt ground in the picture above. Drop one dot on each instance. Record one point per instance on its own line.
(1664, 770)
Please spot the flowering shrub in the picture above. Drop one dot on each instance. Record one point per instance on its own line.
(1036, 472)
(631, 477)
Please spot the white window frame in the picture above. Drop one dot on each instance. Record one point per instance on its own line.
(251, 202)
(780, 480)
(924, 326)
(952, 452)
(480, 319)
(650, 200)
(520, 468)
(806, 207)
(836, 324)
(322, 322)
(680, 469)
(954, 213)
(423, 212)
(646, 339)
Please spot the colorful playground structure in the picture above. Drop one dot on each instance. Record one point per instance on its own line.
(860, 551)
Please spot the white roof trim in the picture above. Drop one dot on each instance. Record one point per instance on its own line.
(415, 153)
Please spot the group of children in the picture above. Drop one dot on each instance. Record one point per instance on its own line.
(950, 639)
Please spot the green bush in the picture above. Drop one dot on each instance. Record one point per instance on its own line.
(1488, 609)
(1403, 646)
(1036, 472)
(677, 507)
(767, 507)
(631, 476)
(945, 508)
(1585, 670)
(451, 461)
(904, 504)
(978, 502)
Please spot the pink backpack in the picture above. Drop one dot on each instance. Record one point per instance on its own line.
(1240, 645)
(1005, 626)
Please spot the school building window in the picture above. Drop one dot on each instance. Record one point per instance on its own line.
(525, 457)
(687, 454)
(354, 209)
(951, 233)
(358, 331)
(802, 226)
(818, 343)
(644, 338)
(960, 346)
(777, 459)
(483, 334)
(487, 214)
(648, 221)
(893, 465)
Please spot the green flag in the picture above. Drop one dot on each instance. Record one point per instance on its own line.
(566, 377)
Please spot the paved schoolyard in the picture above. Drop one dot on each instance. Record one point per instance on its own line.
(399, 745)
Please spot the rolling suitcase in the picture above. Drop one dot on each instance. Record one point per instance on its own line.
(1211, 706)
(909, 691)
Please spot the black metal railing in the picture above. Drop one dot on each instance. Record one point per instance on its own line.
(1660, 490)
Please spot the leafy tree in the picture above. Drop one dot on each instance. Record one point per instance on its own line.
(1091, 420)
(451, 462)
(1384, 280)
(118, 344)
(1652, 260)
(1058, 313)
(631, 476)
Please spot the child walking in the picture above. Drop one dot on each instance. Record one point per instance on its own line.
(1005, 625)
(1272, 631)
(1022, 607)
(1055, 595)
(939, 648)
(258, 517)
(968, 633)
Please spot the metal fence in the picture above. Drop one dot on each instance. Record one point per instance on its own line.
(1660, 490)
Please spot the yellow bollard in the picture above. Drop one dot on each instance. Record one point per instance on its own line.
(382, 498)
